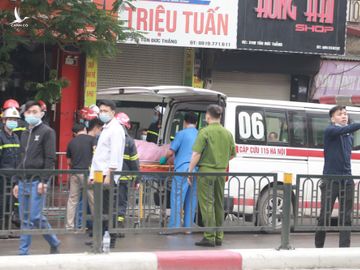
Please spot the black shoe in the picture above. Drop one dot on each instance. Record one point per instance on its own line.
(89, 243)
(112, 240)
(120, 235)
(218, 242)
(55, 250)
(205, 243)
(121, 225)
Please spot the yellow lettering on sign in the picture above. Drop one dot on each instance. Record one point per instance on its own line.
(90, 81)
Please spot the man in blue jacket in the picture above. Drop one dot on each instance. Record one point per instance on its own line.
(338, 142)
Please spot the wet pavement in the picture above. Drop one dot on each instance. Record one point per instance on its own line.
(75, 243)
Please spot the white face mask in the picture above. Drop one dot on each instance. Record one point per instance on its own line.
(143, 137)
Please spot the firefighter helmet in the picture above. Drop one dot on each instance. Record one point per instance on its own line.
(87, 114)
(42, 105)
(11, 103)
(123, 119)
(95, 108)
(11, 113)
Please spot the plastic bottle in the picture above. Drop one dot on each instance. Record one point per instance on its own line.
(106, 242)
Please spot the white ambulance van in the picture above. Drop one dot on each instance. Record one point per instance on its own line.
(271, 136)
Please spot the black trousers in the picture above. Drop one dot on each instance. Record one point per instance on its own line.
(9, 210)
(343, 190)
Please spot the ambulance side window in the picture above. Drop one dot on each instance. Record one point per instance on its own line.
(355, 118)
(297, 125)
(317, 124)
(276, 128)
(250, 125)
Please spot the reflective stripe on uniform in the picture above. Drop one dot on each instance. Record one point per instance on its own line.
(153, 132)
(4, 146)
(132, 158)
(126, 178)
(121, 219)
(19, 129)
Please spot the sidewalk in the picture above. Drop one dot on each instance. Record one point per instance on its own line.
(145, 242)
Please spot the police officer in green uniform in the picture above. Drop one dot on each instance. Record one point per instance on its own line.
(212, 150)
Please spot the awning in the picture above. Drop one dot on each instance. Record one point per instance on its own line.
(336, 78)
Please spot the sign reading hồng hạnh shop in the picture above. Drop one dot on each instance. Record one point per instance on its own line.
(185, 23)
(305, 26)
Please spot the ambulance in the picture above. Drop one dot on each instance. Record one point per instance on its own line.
(271, 136)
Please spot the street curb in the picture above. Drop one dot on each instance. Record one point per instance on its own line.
(306, 258)
(196, 260)
(84, 261)
(237, 259)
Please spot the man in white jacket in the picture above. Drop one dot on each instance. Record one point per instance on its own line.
(109, 152)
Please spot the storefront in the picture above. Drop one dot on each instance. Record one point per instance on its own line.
(337, 77)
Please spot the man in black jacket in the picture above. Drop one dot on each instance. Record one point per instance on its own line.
(338, 142)
(131, 163)
(37, 146)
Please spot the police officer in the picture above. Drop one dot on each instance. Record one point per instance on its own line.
(131, 163)
(153, 130)
(9, 157)
(212, 150)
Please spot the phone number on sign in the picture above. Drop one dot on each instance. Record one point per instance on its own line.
(210, 43)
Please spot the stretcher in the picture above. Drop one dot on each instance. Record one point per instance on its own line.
(159, 187)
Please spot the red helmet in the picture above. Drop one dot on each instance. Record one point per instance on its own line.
(87, 114)
(42, 105)
(11, 103)
(123, 119)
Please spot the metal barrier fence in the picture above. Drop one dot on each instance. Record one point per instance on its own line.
(22, 215)
(326, 202)
(145, 202)
(248, 205)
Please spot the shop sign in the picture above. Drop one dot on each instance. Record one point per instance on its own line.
(185, 23)
(305, 26)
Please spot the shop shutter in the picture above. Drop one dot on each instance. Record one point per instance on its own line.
(252, 85)
(141, 65)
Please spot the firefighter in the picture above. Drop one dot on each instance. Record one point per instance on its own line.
(131, 163)
(85, 115)
(153, 130)
(9, 159)
(22, 126)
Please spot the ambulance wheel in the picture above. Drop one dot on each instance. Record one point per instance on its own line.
(266, 208)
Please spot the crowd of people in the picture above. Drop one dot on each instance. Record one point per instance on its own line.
(101, 142)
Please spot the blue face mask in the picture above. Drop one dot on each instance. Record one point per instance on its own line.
(11, 124)
(104, 117)
(32, 120)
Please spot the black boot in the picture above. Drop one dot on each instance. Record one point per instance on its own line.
(121, 225)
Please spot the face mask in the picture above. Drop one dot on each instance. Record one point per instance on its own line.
(155, 118)
(143, 137)
(11, 124)
(32, 120)
(104, 117)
